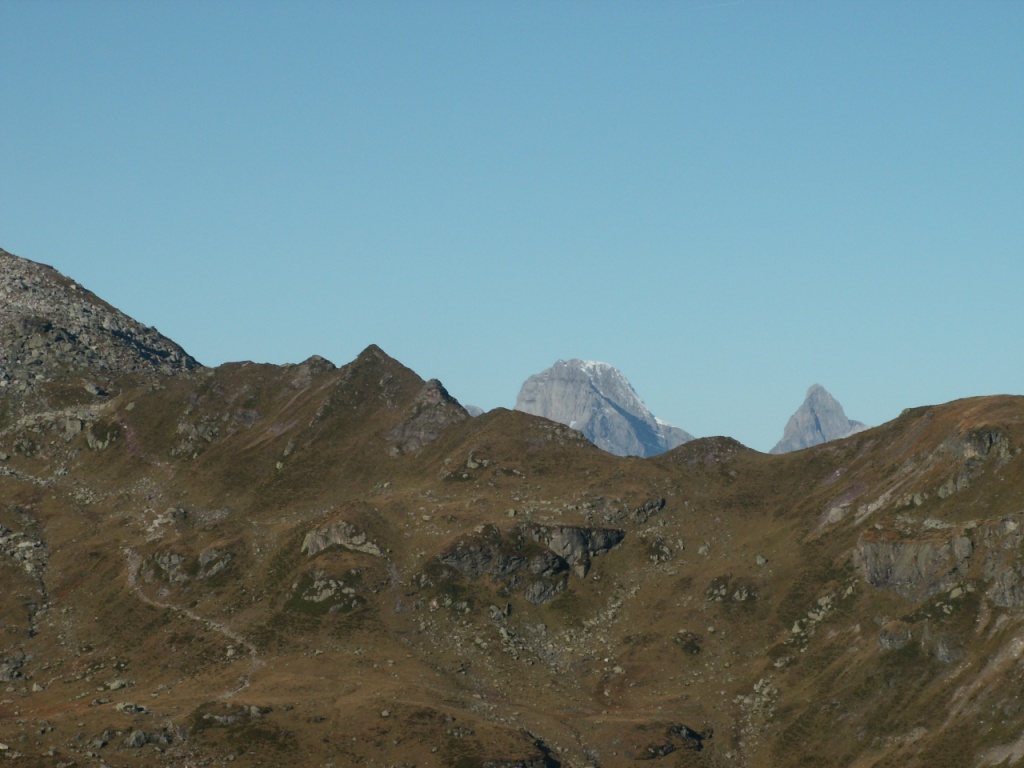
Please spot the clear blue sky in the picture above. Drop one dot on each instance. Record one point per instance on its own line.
(729, 201)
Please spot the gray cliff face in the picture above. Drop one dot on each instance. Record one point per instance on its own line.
(433, 412)
(821, 418)
(596, 399)
(52, 328)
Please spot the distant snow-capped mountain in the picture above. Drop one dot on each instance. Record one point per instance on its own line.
(598, 400)
(819, 419)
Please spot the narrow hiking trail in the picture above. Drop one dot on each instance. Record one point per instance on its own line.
(134, 562)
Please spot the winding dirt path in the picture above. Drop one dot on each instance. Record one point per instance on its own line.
(134, 562)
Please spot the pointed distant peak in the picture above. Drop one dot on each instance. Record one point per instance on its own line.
(379, 368)
(374, 357)
(817, 393)
(373, 352)
(819, 419)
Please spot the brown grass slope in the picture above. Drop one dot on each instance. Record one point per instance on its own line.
(304, 565)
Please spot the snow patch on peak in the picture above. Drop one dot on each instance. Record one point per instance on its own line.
(590, 367)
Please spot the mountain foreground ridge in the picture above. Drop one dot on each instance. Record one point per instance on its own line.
(51, 328)
(306, 564)
(597, 399)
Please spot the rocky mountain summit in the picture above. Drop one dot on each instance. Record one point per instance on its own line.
(820, 418)
(310, 565)
(598, 400)
(54, 330)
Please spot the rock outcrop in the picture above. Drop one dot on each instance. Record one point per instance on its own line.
(918, 565)
(819, 419)
(513, 559)
(576, 545)
(598, 400)
(915, 567)
(676, 737)
(341, 533)
(433, 411)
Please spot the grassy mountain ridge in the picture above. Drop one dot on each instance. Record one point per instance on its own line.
(310, 565)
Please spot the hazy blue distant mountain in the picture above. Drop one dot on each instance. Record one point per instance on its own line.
(598, 400)
(821, 418)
